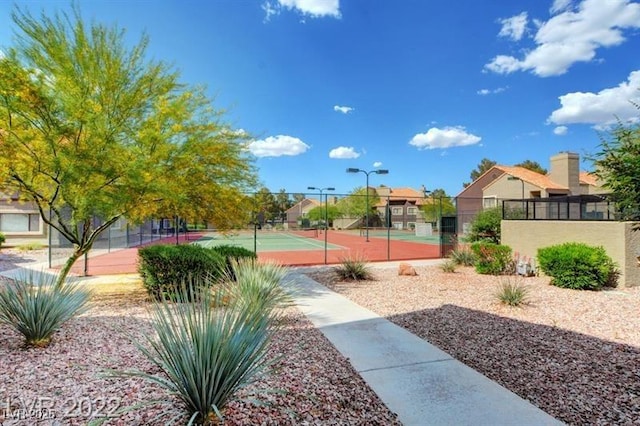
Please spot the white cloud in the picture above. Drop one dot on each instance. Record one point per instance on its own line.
(277, 146)
(343, 109)
(572, 36)
(377, 164)
(560, 130)
(485, 92)
(343, 152)
(270, 10)
(311, 8)
(600, 109)
(444, 138)
(559, 6)
(514, 27)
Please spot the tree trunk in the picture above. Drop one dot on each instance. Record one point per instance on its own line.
(77, 253)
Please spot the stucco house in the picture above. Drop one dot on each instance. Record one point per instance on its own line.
(403, 206)
(509, 182)
(20, 222)
(298, 211)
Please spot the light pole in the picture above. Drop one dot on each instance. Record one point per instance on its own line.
(378, 172)
(326, 214)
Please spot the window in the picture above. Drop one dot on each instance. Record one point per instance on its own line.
(396, 211)
(489, 202)
(397, 225)
(19, 222)
(412, 211)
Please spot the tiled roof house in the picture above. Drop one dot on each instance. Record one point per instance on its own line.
(508, 182)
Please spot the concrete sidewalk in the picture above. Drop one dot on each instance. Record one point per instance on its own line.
(420, 383)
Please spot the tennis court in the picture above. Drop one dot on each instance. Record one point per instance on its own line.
(400, 235)
(268, 241)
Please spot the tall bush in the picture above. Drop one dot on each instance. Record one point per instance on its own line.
(486, 226)
(165, 268)
(2, 239)
(578, 266)
(492, 259)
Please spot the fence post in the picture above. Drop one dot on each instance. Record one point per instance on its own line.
(388, 229)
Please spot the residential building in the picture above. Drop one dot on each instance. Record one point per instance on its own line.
(400, 207)
(510, 182)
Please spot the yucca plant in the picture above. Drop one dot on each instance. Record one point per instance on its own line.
(36, 307)
(448, 266)
(512, 293)
(353, 268)
(463, 256)
(208, 353)
(257, 284)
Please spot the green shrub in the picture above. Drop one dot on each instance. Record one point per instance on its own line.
(512, 293)
(448, 266)
(233, 254)
(165, 268)
(486, 226)
(2, 239)
(492, 259)
(34, 245)
(578, 266)
(353, 269)
(463, 256)
(207, 354)
(36, 307)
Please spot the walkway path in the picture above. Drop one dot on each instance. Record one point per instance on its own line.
(416, 380)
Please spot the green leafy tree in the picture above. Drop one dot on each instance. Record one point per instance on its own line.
(484, 165)
(486, 226)
(90, 128)
(437, 204)
(534, 166)
(283, 202)
(298, 197)
(318, 213)
(355, 204)
(265, 204)
(618, 166)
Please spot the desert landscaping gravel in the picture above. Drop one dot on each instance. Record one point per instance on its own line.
(575, 354)
(311, 383)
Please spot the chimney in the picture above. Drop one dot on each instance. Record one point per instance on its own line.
(565, 170)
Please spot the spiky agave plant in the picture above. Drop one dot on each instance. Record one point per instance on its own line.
(512, 293)
(36, 307)
(208, 353)
(257, 284)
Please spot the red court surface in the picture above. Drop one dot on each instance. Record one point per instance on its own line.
(377, 249)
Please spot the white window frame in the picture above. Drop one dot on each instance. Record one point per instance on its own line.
(491, 205)
(412, 211)
(40, 229)
(394, 209)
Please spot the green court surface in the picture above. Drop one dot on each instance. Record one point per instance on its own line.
(402, 235)
(267, 241)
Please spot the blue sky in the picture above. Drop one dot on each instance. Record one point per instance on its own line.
(423, 88)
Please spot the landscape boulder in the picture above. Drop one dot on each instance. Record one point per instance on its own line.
(406, 269)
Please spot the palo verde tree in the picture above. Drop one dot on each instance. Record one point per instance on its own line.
(618, 166)
(436, 205)
(320, 213)
(355, 204)
(89, 128)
